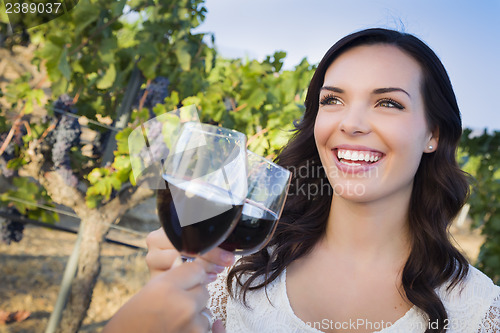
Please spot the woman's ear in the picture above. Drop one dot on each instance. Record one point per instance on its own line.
(433, 141)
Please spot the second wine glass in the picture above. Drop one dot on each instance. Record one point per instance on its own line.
(267, 190)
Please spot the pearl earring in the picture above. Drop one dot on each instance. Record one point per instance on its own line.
(430, 147)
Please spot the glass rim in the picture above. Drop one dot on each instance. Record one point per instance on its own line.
(194, 124)
(268, 161)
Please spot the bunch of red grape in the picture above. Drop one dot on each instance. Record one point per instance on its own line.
(157, 91)
(10, 230)
(10, 152)
(65, 136)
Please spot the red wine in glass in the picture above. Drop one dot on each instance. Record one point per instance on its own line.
(267, 190)
(253, 231)
(191, 197)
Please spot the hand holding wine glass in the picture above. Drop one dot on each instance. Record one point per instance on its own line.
(173, 301)
(162, 255)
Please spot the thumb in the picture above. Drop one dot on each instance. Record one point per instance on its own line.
(218, 327)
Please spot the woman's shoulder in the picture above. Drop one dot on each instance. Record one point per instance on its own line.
(475, 284)
(470, 302)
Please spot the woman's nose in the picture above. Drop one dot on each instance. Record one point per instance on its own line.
(355, 121)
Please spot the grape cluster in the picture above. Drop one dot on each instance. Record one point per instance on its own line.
(157, 148)
(10, 152)
(65, 136)
(157, 92)
(11, 231)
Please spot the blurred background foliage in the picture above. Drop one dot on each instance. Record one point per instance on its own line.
(479, 155)
(94, 53)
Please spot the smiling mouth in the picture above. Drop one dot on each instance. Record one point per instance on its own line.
(357, 157)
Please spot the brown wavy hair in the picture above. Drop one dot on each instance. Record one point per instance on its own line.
(440, 188)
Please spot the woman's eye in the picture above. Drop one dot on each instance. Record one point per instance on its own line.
(389, 103)
(330, 100)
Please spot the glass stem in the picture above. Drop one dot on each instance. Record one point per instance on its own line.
(187, 259)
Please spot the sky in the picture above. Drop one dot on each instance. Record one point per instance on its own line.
(464, 34)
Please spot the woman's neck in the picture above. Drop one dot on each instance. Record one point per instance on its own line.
(369, 232)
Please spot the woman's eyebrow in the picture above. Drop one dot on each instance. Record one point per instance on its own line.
(376, 91)
(389, 89)
(334, 89)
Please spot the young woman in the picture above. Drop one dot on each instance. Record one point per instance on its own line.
(362, 244)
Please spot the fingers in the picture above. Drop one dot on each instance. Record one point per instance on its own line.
(160, 260)
(216, 260)
(158, 240)
(190, 275)
(197, 318)
(200, 296)
(161, 256)
(219, 257)
(161, 253)
(173, 301)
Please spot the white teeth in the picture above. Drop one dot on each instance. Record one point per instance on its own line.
(353, 156)
(351, 163)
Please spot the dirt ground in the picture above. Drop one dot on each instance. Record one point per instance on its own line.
(31, 271)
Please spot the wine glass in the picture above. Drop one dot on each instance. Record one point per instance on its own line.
(267, 190)
(206, 184)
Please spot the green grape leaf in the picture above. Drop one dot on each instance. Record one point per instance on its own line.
(108, 79)
(183, 55)
(96, 175)
(123, 174)
(122, 141)
(16, 163)
(117, 7)
(84, 14)
(121, 162)
(63, 65)
(209, 60)
(148, 64)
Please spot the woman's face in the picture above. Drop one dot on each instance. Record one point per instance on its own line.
(370, 129)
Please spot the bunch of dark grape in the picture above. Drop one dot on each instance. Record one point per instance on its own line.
(65, 136)
(10, 152)
(157, 92)
(156, 148)
(11, 231)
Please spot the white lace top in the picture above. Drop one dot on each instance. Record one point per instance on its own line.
(472, 307)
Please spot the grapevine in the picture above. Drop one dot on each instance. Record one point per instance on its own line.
(99, 57)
